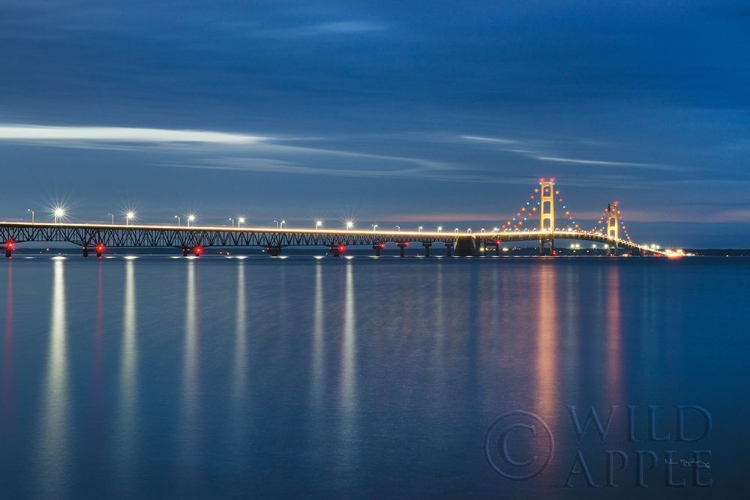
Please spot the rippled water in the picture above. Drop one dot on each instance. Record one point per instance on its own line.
(185, 378)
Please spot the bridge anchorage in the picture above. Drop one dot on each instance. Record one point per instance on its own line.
(544, 203)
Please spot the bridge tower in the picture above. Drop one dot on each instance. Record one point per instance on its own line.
(613, 226)
(547, 214)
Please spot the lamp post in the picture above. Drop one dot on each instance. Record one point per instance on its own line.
(112, 218)
(277, 223)
(178, 219)
(318, 224)
(232, 221)
(241, 220)
(191, 218)
(440, 229)
(420, 229)
(281, 225)
(374, 227)
(59, 213)
(32, 214)
(128, 216)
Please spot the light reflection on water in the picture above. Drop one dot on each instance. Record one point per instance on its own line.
(328, 378)
(54, 434)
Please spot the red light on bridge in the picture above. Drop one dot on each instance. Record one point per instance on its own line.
(198, 250)
(99, 247)
(341, 248)
(382, 245)
(9, 245)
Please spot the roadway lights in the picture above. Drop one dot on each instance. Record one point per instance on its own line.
(281, 226)
(350, 224)
(178, 219)
(374, 227)
(191, 218)
(128, 216)
(241, 220)
(440, 229)
(318, 224)
(32, 214)
(420, 229)
(58, 213)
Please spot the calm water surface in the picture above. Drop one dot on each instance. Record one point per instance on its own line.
(262, 378)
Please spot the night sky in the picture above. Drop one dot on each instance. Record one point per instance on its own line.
(390, 112)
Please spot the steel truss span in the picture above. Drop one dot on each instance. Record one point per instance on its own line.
(99, 236)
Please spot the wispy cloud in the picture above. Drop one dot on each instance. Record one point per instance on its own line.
(579, 161)
(494, 140)
(35, 133)
(538, 150)
(321, 29)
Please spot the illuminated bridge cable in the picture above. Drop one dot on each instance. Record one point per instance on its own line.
(526, 212)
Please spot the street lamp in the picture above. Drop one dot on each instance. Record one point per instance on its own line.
(232, 221)
(374, 227)
(349, 225)
(456, 230)
(241, 220)
(420, 229)
(481, 230)
(191, 218)
(112, 217)
(178, 219)
(281, 226)
(318, 224)
(440, 229)
(59, 213)
(398, 228)
(277, 223)
(32, 214)
(128, 216)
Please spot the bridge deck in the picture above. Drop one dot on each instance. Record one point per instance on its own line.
(117, 235)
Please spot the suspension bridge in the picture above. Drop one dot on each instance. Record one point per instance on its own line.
(544, 207)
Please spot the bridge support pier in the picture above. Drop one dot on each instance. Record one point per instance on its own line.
(378, 248)
(85, 251)
(467, 246)
(8, 249)
(448, 248)
(336, 250)
(273, 251)
(426, 246)
(544, 242)
(612, 252)
(402, 248)
(491, 245)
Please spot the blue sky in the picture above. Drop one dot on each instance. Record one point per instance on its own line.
(409, 113)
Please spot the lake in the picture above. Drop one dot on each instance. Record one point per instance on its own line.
(159, 377)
